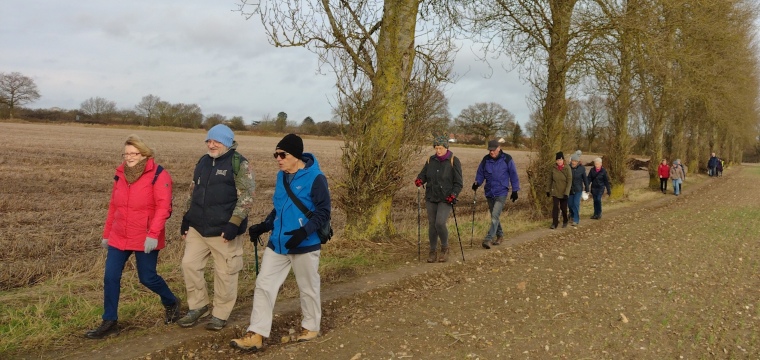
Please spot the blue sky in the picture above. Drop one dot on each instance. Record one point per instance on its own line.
(194, 51)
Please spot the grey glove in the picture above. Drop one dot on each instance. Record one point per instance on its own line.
(150, 244)
(104, 243)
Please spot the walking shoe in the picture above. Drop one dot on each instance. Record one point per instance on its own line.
(433, 256)
(564, 225)
(599, 217)
(593, 217)
(250, 341)
(574, 223)
(107, 327)
(192, 316)
(171, 314)
(444, 255)
(307, 335)
(498, 240)
(487, 244)
(215, 324)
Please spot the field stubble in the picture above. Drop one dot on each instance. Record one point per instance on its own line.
(54, 201)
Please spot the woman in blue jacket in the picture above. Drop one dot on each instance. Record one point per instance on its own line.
(599, 181)
(294, 242)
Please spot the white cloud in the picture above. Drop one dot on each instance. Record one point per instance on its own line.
(192, 51)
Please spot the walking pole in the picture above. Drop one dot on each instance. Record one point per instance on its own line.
(419, 211)
(457, 226)
(256, 253)
(474, 199)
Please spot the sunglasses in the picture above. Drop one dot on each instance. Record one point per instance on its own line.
(280, 154)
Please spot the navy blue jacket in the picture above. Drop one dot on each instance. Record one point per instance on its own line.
(499, 174)
(580, 180)
(599, 180)
(713, 162)
(310, 186)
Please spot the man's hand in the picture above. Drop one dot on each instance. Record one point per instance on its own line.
(255, 231)
(475, 186)
(230, 231)
(185, 227)
(513, 196)
(296, 238)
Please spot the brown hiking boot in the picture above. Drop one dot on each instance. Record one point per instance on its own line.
(307, 335)
(498, 240)
(433, 256)
(444, 255)
(251, 341)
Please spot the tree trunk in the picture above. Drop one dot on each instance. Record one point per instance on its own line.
(551, 127)
(621, 143)
(378, 148)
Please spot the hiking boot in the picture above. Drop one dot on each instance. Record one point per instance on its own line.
(564, 225)
(498, 240)
(593, 217)
(250, 341)
(444, 255)
(171, 313)
(106, 328)
(307, 335)
(192, 316)
(215, 324)
(433, 256)
(599, 217)
(554, 226)
(574, 224)
(487, 244)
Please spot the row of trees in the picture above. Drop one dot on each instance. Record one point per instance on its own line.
(679, 74)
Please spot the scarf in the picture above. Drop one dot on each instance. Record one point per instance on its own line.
(560, 167)
(444, 157)
(131, 174)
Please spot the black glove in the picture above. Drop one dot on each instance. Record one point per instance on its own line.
(475, 186)
(548, 194)
(230, 231)
(255, 231)
(514, 196)
(297, 237)
(185, 227)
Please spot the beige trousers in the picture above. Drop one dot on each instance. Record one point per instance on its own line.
(228, 261)
(274, 270)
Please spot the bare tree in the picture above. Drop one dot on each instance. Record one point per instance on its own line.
(483, 120)
(147, 109)
(372, 48)
(17, 90)
(551, 39)
(98, 108)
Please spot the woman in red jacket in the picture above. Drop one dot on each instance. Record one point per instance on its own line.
(664, 172)
(141, 202)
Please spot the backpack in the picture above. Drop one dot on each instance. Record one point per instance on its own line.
(325, 232)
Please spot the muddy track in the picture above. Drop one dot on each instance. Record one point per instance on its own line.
(596, 291)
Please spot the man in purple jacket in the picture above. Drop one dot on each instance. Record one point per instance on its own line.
(498, 171)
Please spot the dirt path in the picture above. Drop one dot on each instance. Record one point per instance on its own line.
(675, 277)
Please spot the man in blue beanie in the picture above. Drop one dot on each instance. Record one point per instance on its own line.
(221, 196)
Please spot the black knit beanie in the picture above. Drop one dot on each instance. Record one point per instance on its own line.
(291, 144)
(560, 155)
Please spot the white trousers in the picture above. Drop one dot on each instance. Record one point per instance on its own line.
(274, 270)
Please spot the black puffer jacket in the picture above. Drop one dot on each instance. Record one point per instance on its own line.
(580, 180)
(443, 178)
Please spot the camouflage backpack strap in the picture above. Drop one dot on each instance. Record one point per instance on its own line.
(236, 159)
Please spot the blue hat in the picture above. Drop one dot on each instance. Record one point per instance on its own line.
(222, 134)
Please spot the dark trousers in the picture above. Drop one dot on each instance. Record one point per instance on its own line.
(146, 271)
(438, 213)
(663, 184)
(559, 204)
(597, 195)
